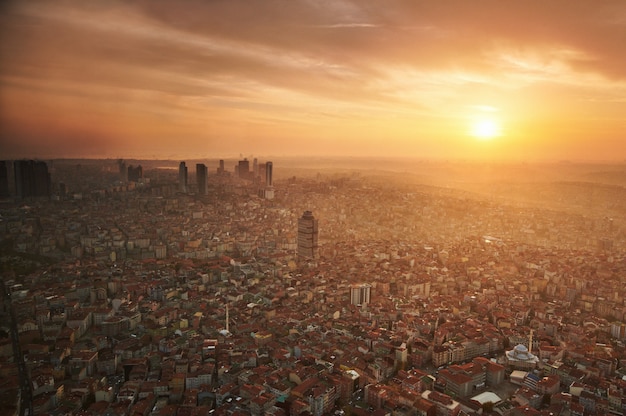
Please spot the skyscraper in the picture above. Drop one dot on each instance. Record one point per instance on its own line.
(202, 179)
(244, 169)
(123, 170)
(4, 180)
(307, 236)
(269, 166)
(182, 177)
(32, 179)
(268, 191)
(135, 173)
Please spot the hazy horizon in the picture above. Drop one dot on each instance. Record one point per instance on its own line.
(328, 159)
(488, 81)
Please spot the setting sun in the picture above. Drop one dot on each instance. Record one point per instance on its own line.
(150, 79)
(485, 129)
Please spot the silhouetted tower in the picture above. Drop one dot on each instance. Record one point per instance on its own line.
(182, 177)
(220, 170)
(4, 179)
(244, 169)
(269, 167)
(123, 170)
(307, 236)
(202, 179)
(32, 179)
(135, 173)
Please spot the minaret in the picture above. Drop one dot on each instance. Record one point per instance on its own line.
(436, 326)
(530, 341)
(227, 318)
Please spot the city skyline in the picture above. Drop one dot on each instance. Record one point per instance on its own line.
(341, 78)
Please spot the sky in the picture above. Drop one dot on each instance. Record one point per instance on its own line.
(450, 79)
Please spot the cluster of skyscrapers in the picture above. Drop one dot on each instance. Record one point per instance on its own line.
(202, 178)
(130, 173)
(32, 180)
(307, 244)
(261, 173)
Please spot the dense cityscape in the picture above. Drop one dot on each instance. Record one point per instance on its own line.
(291, 287)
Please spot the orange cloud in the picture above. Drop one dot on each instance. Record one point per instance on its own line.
(355, 77)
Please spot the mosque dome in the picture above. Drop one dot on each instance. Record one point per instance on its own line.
(521, 357)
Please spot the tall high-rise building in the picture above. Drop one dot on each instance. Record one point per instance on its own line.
(32, 179)
(360, 294)
(4, 179)
(220, 170)
(123, 170)
(307, 236)
(255, 167)
(135, 173)
(202, 179)
(244, 169)
(269, 181)
(182, 177)
(268, 191)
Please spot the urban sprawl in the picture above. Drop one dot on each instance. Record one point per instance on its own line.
(138, 289)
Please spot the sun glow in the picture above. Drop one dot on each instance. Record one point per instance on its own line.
(485, 129)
